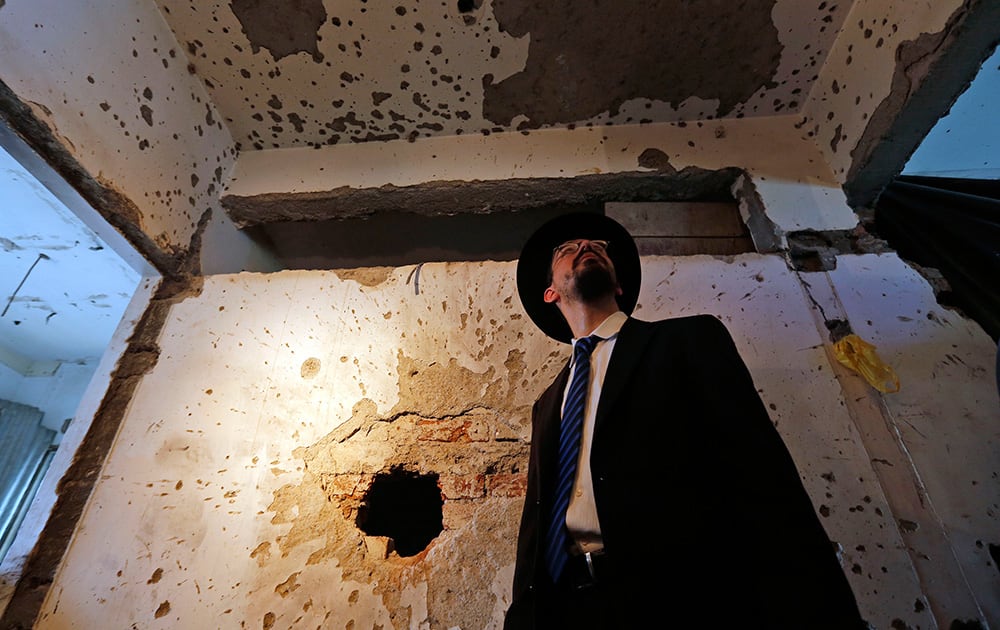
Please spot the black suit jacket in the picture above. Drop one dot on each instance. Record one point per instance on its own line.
(704, 517)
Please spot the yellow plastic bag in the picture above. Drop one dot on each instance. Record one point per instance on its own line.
(860, 356)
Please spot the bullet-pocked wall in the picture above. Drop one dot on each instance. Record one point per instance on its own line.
(115, 90)
(235, 491)
(232, 494)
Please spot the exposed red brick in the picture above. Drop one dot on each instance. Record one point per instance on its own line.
(463, 486)
(347, 485)
(454, 431)
(507, 485)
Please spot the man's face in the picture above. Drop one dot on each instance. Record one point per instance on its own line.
(582, 270)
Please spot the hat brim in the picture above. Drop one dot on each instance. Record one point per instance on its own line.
(536, 258)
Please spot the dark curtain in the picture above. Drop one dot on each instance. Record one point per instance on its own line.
(952, 225)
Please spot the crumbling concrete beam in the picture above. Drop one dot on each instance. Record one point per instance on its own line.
(443, 198)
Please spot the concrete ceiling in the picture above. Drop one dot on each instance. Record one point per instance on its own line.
(308, 73)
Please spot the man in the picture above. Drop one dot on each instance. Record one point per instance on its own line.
(685, 509)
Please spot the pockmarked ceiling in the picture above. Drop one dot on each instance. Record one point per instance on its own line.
(299, 73)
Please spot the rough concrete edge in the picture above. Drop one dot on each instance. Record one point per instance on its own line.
(914, 104)
(181, 279)
(767, 237)
(75, 487)
(117, 209)
(478, 196)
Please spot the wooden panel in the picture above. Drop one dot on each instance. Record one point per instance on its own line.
(683, 228)
(690, 246)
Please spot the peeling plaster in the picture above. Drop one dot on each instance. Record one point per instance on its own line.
(477, 174)
(443, 198)
(578, 68)
(292, 75)
(441, 410)
(283, 28)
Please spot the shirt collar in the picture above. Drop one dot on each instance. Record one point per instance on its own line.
(609, 327)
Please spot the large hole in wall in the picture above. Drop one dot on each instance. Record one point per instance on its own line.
(404, 506)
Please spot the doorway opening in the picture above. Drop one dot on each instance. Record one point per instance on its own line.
(71, 288)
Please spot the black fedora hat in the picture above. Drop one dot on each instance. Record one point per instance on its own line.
(536, 259)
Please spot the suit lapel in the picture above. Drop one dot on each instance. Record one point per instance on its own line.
(632, 341)
(549, 414)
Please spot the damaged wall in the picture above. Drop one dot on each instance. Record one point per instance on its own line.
(235, 498)
(131, 120)
(795, 184)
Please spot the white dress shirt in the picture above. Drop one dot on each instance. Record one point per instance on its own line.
(581, 517)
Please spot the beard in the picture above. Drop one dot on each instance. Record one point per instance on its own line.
(593, 282)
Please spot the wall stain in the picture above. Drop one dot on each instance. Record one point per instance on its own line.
(162, 610)
(365, 276)
(262, 553)
(310, 367)
(288, 586)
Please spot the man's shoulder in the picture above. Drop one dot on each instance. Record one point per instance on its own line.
(700, 322)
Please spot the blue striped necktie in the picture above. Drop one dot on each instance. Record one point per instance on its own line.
(556, 552)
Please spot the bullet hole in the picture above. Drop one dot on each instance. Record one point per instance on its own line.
(466, 6)
(162, 610)
(310, 367)
(404, 506)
